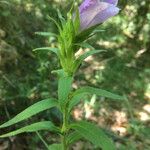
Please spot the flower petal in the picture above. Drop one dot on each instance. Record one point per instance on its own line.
(87, 16)
(86, 4)
(104, 15)
(114, 2)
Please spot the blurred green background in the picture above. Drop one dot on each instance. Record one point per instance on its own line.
(25, 76)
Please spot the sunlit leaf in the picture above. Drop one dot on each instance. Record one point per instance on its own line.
(55, 147)
(73, 137)
(93, 134)
(59, 72)
(77, 21)
(81, 92)
(81, 58)
(64, 88)
(85, 45)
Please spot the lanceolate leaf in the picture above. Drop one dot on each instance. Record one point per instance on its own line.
(31, 110)
(85, 45)
(87, 54)
(95, 32)
(73, 137)
(54, 50)
(47, 34)
(80, 93)
(81, 58)
(62, 19)
(64, 88)
(55, 147)
(58, 72)
(77, 21)
(56, 23)
(99, 92)
(45, 125)
(85, 34)
(93, 134)
(76, 99)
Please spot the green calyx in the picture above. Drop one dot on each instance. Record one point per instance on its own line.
(70, 40)
(66, 40)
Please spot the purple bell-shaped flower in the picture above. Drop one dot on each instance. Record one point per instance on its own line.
(94, 12)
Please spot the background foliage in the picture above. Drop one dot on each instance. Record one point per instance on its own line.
(124, 69)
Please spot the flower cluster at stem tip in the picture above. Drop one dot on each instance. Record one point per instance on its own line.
(79, 27)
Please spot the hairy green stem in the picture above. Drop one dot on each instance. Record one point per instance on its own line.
(64, 144)
(65, 126)
(65, 129)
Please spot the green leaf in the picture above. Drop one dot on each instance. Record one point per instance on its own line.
(54, 50)
(58, 72)
(75, 100)
(94, 134)
(98, 30)
(81, 58)
(95, 32)
(80, 93)
(85, 45)
(64, 88)
(87, 54)
(44, 125)
(83, 35)
(55, 147)
(77, 21)
(46, 34)
(73, 137)
(31, 110)
(61, 18)
(56, 23)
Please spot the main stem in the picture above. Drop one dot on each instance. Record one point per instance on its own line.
(65, 125)
(65, 129)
